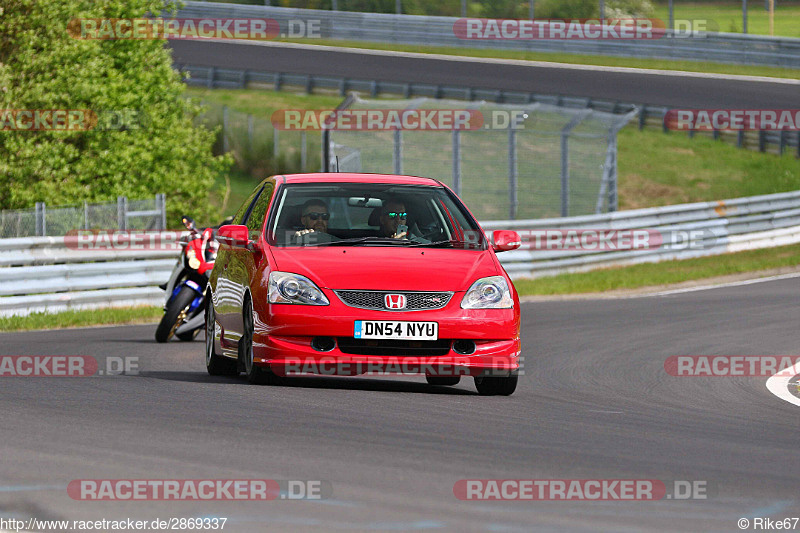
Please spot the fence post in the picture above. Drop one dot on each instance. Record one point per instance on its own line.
(161, 204)
(122, 212)
(210, 81)
(612, 176)
(225, 145)
(397, 153)
(457, 161)
(276, 144)
(303, 151)
(41, 226)
(564, 174)
(324, 157)
(512, 172)
(85, 215)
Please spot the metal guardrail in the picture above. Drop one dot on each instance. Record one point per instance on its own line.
(79, 281)
(725, 226)
(56, 274)
(438, 31)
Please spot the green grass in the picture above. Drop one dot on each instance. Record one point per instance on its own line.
(79, 318)
(658, 64)
(655, 274)
(658, 169)
(727, 16)
(654, 168)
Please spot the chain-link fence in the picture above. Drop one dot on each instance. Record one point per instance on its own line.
(258, 148)
(545, 161)
(148, 214)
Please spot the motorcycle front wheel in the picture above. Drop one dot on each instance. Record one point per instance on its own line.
(176, 312)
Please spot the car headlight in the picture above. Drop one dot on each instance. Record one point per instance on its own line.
(288, 288)
(488, 293)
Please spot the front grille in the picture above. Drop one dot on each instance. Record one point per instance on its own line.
(415, 301)
(398, 348)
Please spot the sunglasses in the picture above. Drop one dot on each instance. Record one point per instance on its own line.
(317, 216)
(397, 215)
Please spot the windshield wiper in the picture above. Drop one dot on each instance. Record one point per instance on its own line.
(440, 243)
(364, 240)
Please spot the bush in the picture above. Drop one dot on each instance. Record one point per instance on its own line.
(43, 67)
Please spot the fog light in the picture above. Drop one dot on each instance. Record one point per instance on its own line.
(323, 344)
(464, 347)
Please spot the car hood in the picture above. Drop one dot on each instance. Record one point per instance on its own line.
(387, 268)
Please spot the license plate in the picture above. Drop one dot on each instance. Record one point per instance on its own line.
(390, 329)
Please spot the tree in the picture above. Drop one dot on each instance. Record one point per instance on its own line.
(157, 148)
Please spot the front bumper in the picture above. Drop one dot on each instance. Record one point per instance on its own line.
(284, 340)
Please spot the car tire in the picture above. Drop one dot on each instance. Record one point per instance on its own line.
(443, 381)
(174, 314)
(255, 374)
(496, 385)
(216, 365)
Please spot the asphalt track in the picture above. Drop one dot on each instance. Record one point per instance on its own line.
(623, 86)
(595, 403)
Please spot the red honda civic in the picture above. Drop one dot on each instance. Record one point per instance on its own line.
(349, 274)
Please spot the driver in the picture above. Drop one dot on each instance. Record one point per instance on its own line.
(314, 216)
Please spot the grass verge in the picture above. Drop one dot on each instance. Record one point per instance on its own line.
(728, 16)
(576, 59)
(664, 273)
(83, 317)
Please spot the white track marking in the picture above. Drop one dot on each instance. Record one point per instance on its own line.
(779, 384)
(723, 285)
(518, 62)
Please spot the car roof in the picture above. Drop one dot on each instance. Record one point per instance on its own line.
(349, 177)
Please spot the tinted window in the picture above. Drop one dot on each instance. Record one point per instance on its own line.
(365, 212)
(240, 214)
(256, 217)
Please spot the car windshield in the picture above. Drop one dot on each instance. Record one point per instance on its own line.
(358, 214)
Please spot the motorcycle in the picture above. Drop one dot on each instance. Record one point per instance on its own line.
(184, 306)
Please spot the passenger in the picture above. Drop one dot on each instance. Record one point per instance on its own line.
(394, 218)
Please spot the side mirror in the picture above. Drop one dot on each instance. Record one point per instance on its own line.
(505, 240)
(235, 236)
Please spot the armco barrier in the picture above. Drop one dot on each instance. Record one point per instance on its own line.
(54, 274)
(438, 31)
(43, 274)
(727, 226)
